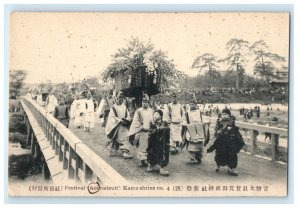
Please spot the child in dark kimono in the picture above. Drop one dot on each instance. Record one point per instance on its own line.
(228, 143)
(158, 145)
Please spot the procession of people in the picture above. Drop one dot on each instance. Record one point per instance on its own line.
(155, 131)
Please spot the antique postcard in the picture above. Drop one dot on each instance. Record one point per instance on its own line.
(148, 104)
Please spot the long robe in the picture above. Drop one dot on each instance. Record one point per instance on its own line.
(103, 110)
(51, 103)
(141, 120)
(77, 112)
(194, 134)
(159, 145)
(173, 114)
(113, 120)
(89, 118)
(115, 129)
(139, 127)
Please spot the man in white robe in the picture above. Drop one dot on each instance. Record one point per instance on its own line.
(51, 102)
(117, 126)
(89, 118)
(77, 111)
(140, 129)
(173, 116)
(104, 108)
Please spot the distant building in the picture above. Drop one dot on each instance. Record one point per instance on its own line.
(281, 78)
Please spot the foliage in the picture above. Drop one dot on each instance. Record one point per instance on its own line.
(16, 82)
(265, 60)
(139, 53)
(207, 61)
(16, 123)
(237, 49)
(229, 80)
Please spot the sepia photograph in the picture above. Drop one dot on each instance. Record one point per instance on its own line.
(115, 104)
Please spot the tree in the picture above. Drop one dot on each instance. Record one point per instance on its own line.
(207, 61)
(236, 58)
(169, 74)
(254, 83)
(265, 60)
(234, 78)
(16, 82)
(140, 53)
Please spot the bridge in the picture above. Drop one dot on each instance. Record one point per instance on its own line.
(82, 157)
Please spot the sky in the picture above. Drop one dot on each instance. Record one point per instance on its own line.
(66, 47)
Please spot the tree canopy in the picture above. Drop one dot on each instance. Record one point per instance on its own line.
(265, 60)
(140, 53)
(236, 58)
(16, 82)
(208, 62)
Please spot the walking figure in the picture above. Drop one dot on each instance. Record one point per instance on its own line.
(118, 123)
(158, 145)
(228, 143)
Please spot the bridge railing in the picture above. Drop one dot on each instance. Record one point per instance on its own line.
(253, 144)
(81, 163)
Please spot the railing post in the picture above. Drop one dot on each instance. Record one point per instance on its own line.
(32, 144)
(61, 148)
(55, 135)
(70, 167)
(48, 131)
(28, 143)
(275, 141)
(38, 119)
(27, 124)
(37, 152)
(77, 166)
(66, 155)
(57, 144)
(51, 134)
(43, 127)
(88, 173)
(254, 135)
(45, 171)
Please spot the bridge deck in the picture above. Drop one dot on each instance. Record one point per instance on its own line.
(251, 169)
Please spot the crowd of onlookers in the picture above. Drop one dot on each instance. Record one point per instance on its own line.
(228, 95)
